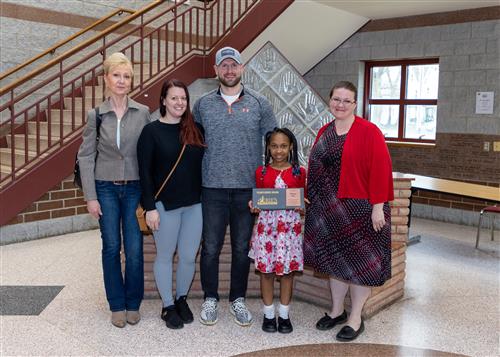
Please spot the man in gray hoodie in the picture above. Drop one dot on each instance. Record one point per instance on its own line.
(235, 120)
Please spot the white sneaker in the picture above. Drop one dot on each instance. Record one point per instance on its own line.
(208, 314)
(242, 316)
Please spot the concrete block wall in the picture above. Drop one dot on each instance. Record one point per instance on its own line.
(469, 61)
(35, 26)
(59, 19)
(34, 37)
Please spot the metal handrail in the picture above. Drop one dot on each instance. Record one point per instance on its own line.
(80, 47)
(52, 49)
(82, 85)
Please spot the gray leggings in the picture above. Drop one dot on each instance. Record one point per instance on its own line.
(179, 228)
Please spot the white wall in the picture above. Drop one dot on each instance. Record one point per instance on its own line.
(306, 32)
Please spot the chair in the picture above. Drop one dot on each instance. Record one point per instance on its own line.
(487, 210)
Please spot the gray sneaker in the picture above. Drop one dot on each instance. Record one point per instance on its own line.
(208, 314)
(242, 316)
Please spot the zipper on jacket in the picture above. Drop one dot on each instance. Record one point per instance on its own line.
(230, 106)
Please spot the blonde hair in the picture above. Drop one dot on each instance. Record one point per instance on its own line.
(117, 59)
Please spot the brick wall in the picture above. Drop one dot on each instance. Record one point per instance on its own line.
(314, 288)
(449, 201)
(59, 211)
(456, 156)
(309, 286)
(63, 200)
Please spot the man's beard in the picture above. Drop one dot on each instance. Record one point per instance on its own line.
(231, 84)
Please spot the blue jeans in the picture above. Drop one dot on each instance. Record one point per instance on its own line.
(118, 205)
(221, 207)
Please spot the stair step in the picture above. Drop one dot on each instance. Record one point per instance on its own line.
(97, 92)
(78, 103)
(20, 142)
(145, 69)
(54, 128)
(5, 156)
(6, 171)
(67, 116)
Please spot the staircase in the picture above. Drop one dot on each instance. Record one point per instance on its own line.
(43, 113)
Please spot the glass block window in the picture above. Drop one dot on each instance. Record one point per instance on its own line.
(296, 105)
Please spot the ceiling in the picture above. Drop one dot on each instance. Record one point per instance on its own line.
(381, 9)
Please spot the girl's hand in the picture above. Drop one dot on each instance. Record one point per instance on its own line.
(301, 211)
(378, 220)
(94, 208)
(307, 201)
(253, 209)
(153, 219)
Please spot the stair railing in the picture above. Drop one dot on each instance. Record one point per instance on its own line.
(155, 39)
(11, 72)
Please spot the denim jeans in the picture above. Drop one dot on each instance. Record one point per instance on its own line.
(118, 205)
(220, 207)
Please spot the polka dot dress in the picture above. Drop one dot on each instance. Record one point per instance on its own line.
(339, 237)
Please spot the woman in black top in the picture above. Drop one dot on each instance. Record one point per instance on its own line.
(175, 215)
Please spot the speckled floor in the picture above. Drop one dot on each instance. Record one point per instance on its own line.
(451, 304)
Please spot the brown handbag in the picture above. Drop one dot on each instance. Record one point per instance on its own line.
(141, 213)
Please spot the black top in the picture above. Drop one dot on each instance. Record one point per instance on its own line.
(158, 148)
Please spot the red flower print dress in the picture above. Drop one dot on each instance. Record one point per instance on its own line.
(276, 245)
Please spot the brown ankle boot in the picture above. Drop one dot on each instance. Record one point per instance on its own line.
(118, 318)
(133, 317)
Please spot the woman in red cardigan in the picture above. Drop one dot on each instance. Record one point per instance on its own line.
(347, 228)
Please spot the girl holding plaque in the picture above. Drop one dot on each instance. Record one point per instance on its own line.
(276, 245)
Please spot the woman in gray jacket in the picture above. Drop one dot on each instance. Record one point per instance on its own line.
(110, 180)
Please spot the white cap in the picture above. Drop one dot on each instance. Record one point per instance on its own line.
(227, 52)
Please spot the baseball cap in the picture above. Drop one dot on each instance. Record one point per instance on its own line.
(227, 52)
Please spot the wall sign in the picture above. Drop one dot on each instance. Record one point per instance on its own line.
(484, 102)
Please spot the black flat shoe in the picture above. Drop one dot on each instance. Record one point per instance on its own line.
(269, 325)
(284, 325)
(347, 333)
(327, 323)
(183, 310)
(171, 318)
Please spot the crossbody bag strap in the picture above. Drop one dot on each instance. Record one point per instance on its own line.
(171, 171)
(98, 122)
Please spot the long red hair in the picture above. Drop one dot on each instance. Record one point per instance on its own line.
(190, 134)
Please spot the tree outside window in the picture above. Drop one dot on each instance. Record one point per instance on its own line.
(402, 98)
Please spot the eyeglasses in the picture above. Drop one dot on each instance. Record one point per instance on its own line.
(346, 102)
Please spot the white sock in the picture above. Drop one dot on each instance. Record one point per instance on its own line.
(269, 311)
(283, 311)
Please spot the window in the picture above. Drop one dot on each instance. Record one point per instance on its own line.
(402, 98)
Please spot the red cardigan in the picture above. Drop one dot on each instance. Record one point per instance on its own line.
(267, 180)
(366, 168)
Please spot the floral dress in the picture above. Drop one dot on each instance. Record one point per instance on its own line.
(276, 244)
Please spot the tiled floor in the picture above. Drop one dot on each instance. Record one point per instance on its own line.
(451, 304)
